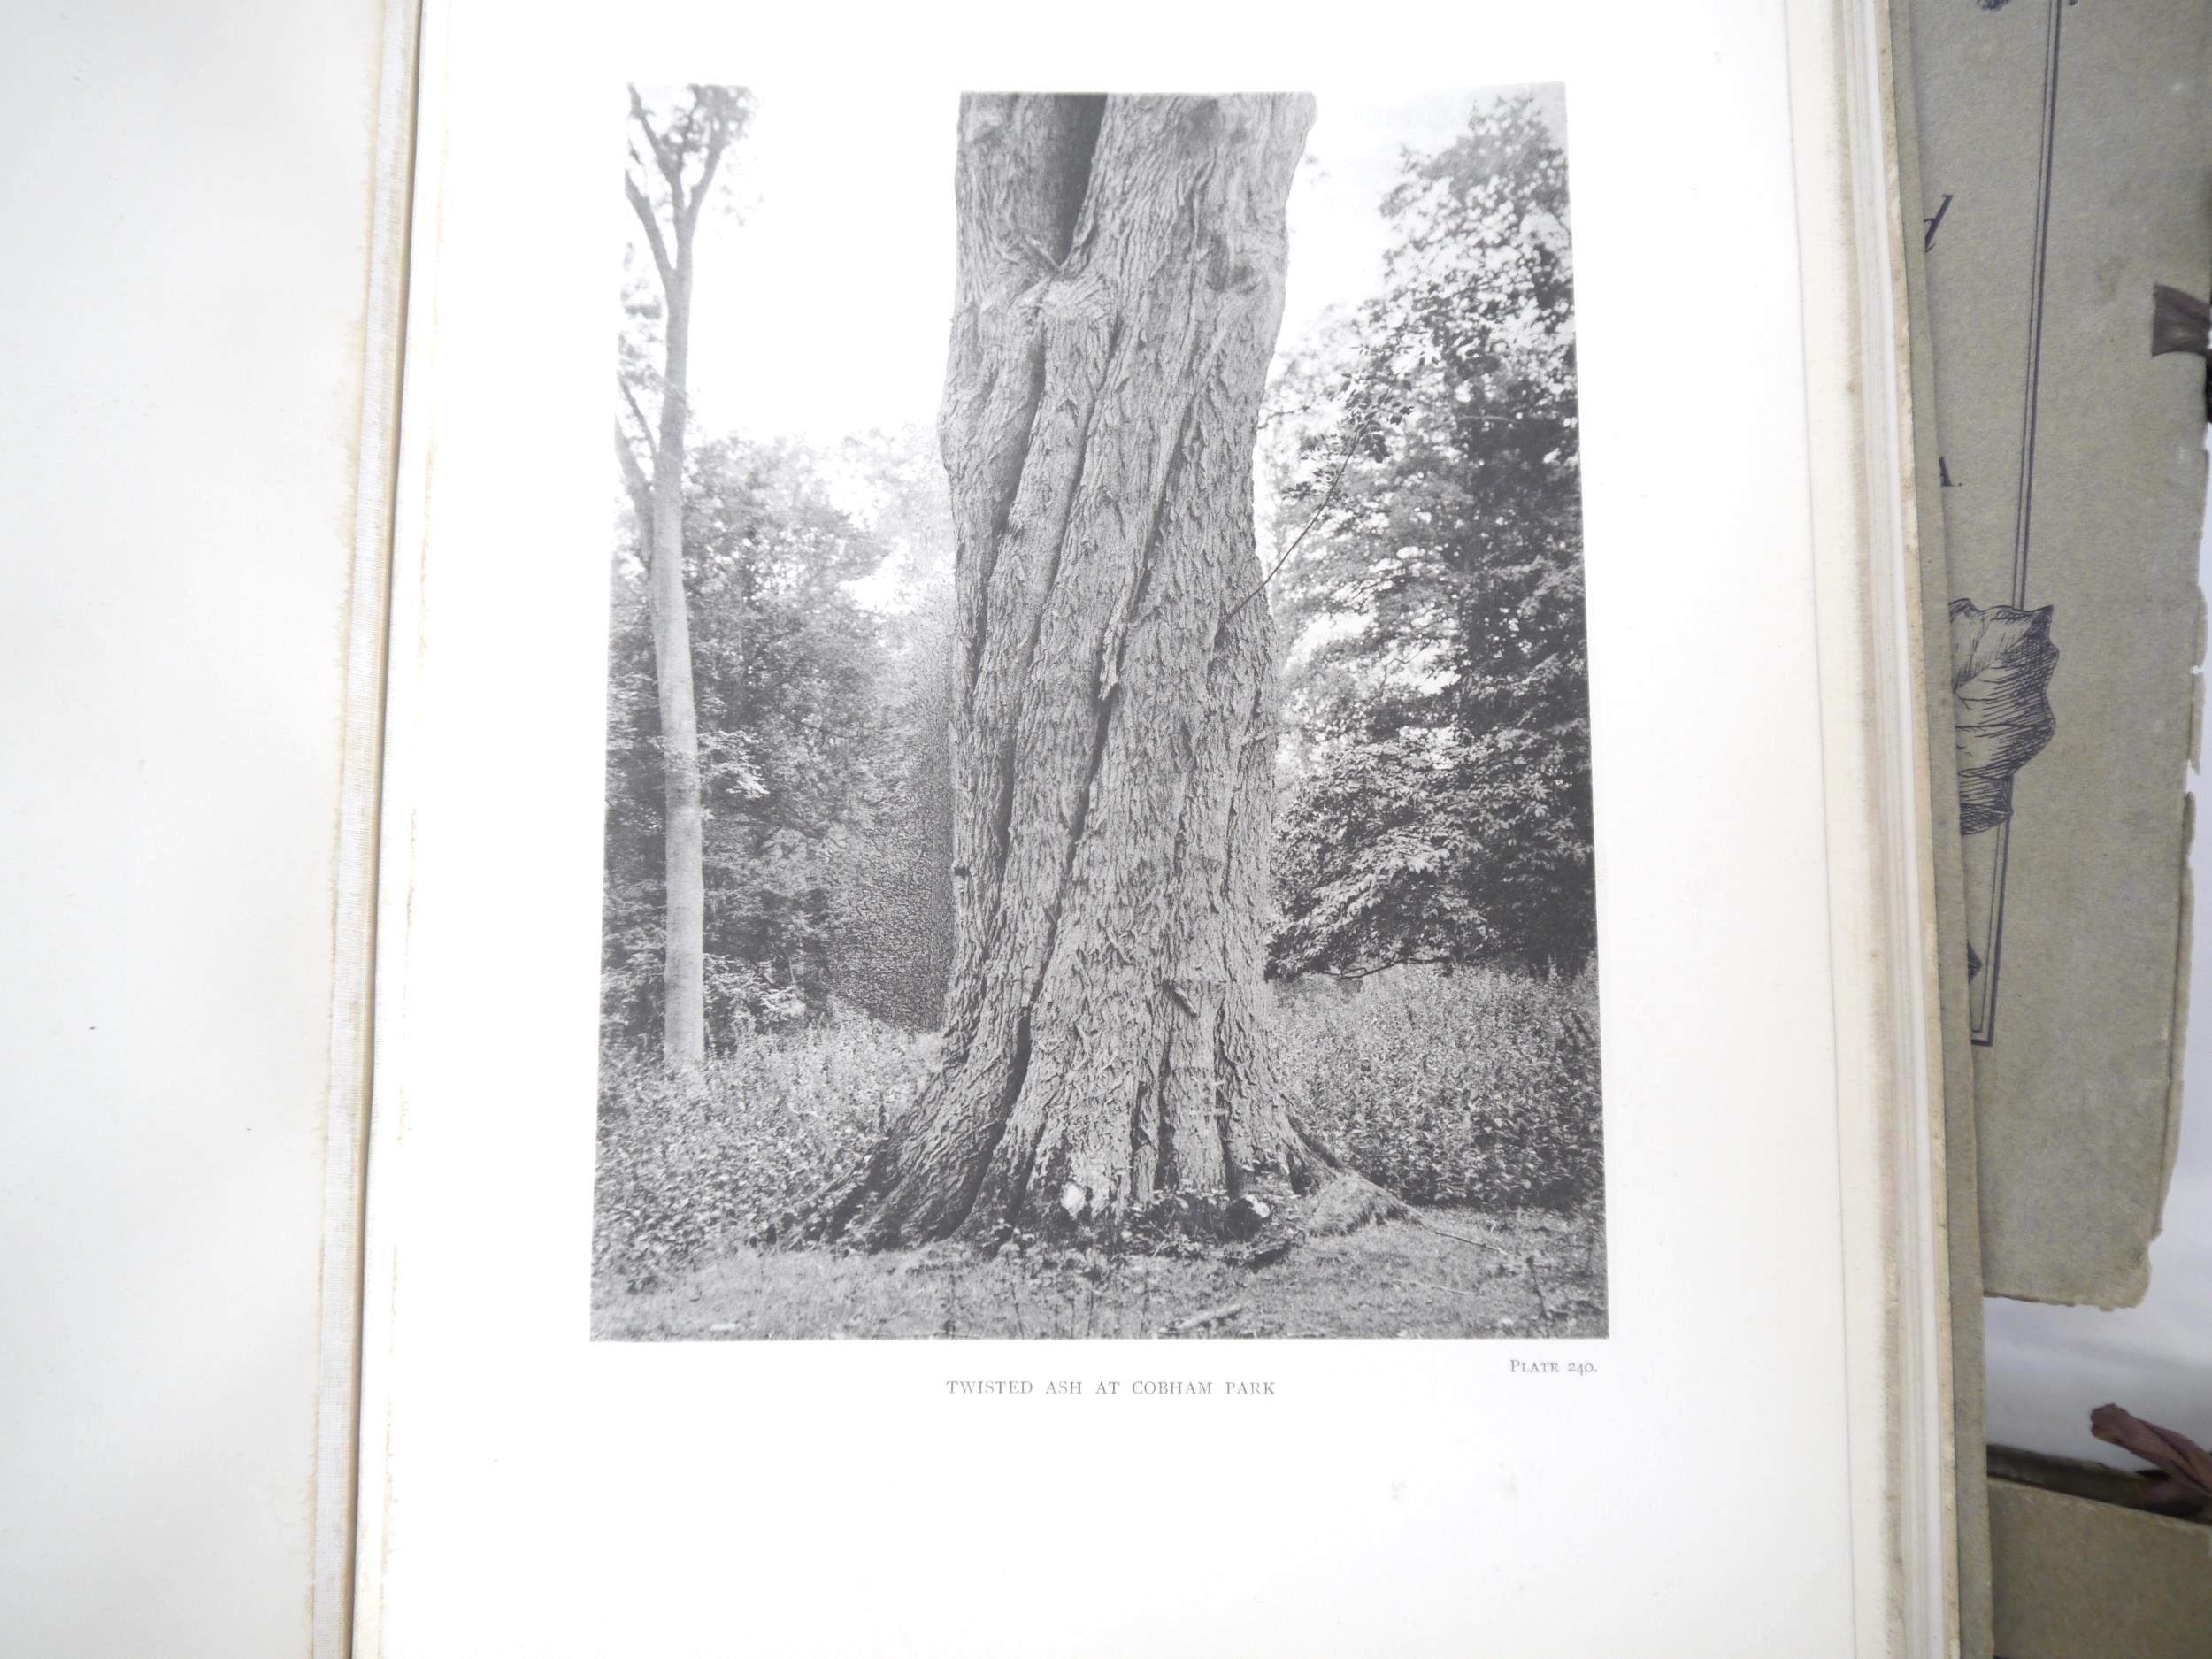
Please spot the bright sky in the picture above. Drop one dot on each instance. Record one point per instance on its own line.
(822, 309)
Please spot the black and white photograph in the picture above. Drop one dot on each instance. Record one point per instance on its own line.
(1098, 819)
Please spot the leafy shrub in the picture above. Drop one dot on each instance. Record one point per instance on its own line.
(690, 1165)
(1478, 1087)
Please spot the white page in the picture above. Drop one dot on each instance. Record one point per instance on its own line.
(190, 339)
(528, 1491)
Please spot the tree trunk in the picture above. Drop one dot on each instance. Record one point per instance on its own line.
(683, 1016)
(1121, 268)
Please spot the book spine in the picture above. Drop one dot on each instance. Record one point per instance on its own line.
(1881, 878)
(355, 895)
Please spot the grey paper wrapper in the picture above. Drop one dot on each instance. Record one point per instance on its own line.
(2065, 168)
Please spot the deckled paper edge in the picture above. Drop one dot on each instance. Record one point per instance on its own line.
(354, 897)
(1904, 1539)
(1946, 917)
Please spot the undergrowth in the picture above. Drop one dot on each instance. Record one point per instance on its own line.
(1473, 1089)
(691, 1165)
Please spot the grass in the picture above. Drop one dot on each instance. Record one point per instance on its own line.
(1533, 1274)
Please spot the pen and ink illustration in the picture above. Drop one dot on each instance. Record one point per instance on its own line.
(1098, 814)
(2072, 474)
(2182, 322)
(2002, 657)
(2001, 664)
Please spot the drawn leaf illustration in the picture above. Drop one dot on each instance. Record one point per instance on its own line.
(2001, 662)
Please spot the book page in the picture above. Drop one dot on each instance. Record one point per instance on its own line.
(194, 561)
(1520, 1316)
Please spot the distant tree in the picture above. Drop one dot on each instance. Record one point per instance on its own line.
(676, 147)
(1440, 804)
(792, 685)
(893, 923)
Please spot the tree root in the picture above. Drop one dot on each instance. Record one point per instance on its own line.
(1212, 1316)
(1420, 1220)
(1347, 1202)
(1262, 1226)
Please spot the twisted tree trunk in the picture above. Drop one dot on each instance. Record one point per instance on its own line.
(1121, 267)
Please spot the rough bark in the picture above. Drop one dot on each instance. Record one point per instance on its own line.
(1121, 269)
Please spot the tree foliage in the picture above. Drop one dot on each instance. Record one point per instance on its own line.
(1435, 800)
(679, 138)
(1427, 465)
(791, 738)
(893, 915)
(822, 742)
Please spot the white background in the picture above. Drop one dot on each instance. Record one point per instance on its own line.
(543, 1495)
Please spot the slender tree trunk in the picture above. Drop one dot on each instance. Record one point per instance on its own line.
(1120, 286)
(701, 130)
(683, 1020)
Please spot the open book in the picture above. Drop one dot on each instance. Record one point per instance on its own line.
(1291, 714)
(1007, 831)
